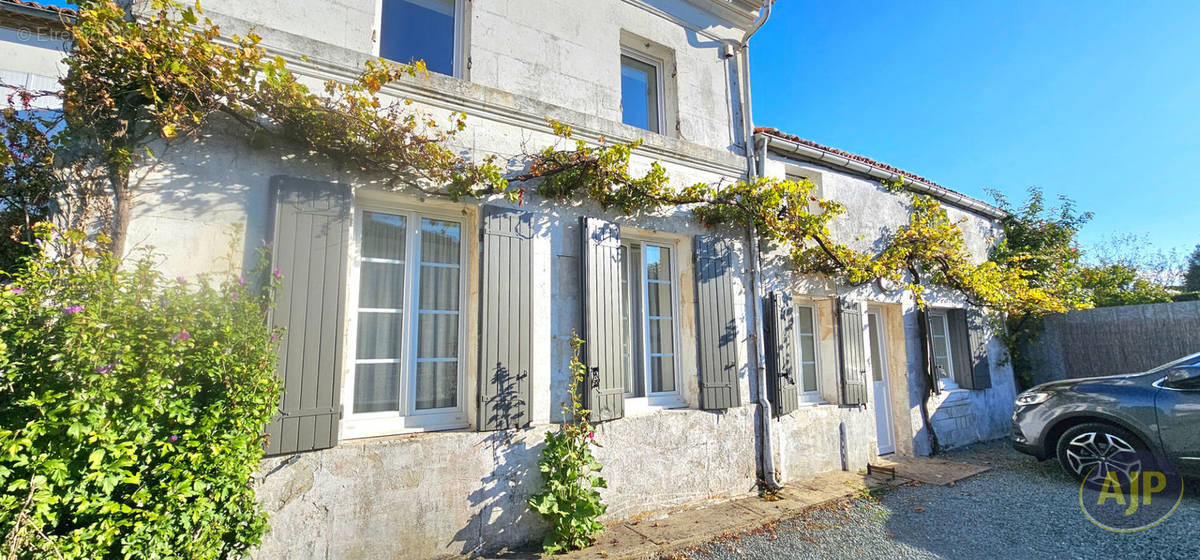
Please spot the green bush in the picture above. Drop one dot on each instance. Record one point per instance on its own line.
(570, 499)
(131, 410)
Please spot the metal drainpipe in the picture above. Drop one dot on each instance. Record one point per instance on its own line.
(767, 455)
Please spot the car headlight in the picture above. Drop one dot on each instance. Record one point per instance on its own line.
(1032, 398)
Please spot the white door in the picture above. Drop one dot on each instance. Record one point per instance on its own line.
(879, 373)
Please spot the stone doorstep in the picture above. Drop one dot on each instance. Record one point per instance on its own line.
(691, 527)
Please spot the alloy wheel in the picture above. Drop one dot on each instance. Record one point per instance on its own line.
(1100, 453)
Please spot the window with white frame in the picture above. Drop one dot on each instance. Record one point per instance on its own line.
(649, 322)
(806, 352)
(641, 91)
(407, 367)
(428, 30)
(939, 334)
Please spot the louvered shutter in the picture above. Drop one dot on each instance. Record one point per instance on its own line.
(979, 375)
(716, 328)
(781, 354)
(311, 232)
(506, 307)
(604, 390)
(854, 362)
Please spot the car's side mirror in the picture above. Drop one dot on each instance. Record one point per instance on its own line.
(1186, 378)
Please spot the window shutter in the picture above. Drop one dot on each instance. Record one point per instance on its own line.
(960, 347)
(854, 363)
(604, 390)
(781, 354)
(716, 328)
(506, 305)
(979, 376)
(311, 229)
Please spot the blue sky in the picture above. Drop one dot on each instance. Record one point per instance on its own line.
(1099, 101)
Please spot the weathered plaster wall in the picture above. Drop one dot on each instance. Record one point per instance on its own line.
(455, 493)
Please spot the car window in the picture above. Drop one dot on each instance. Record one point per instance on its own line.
(1191, 360)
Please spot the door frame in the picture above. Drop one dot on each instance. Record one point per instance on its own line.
(879, 338)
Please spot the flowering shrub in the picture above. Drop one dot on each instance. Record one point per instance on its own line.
(131, 410)
(569, 499)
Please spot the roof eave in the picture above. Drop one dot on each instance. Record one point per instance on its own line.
(832, 159)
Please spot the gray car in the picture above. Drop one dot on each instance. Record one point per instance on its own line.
(1108, 423)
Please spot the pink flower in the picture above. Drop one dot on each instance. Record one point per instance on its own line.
(242, 280)
(104, 369)
(173, 438)
(591, 435)
(17, 290)
(234, 295)
(72, 309)
(182, 335)
(276, 273)
(181, 280)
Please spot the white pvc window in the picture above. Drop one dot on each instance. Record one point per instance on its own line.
(806, 352)
(939, 333)
(649, 313)
(641, 91)
(428, 30)
(407, 327)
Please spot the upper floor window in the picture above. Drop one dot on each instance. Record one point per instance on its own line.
(641, 91)
(408, 336)
(428, 30)
(648, 317)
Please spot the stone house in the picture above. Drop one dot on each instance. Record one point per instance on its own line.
(428, 340)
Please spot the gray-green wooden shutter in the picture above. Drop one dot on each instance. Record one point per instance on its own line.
(506, 304)
(854, 361)
(974, 331)
(604, 390)
(311, 232)
(716, 327)
(780, 342)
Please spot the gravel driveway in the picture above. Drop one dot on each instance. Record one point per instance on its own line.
(1019, 509)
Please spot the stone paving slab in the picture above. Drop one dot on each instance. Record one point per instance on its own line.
(929, 470)
(652, 538)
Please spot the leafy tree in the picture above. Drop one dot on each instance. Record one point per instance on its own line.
(1191, 278)
(1118, 284)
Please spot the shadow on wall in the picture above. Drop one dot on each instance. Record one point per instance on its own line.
(503, 518)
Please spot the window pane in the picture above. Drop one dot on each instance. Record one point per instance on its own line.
(436, 376)
(639, 94)
(383, 236)
(437, 385)
(440, 241)
(662, 374)
(809, 374)
(662, 338)
(376, 387)
(379, 335)
(658, 263)
(419, 30)
(437, 336)
(381, 286)
(876, 359)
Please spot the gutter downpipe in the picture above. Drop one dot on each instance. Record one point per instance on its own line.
(766, 453)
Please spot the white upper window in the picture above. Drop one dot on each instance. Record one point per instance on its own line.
(429, 30)
(806, 351)
(408, 334)
(649, 322)
(641, 91)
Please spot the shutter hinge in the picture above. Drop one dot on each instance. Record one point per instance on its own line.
(468, 63)
(341, 411)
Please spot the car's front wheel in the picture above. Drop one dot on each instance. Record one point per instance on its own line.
(1094, 450)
